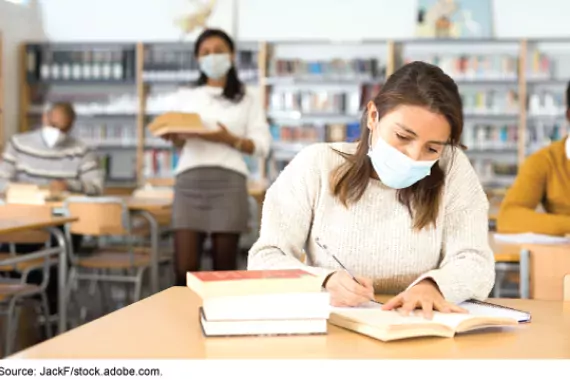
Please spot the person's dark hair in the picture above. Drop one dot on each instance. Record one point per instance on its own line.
(568, 96)
(66, 108)
(417, 84)
(234, 89)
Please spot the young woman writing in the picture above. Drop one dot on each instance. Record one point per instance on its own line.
(402, 208)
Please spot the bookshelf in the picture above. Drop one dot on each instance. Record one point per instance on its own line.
(513, 93)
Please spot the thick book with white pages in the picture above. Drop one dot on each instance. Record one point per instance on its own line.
(372, 321)
(268, 306)
(262, 327)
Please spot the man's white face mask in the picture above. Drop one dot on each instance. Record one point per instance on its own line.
(52, 135)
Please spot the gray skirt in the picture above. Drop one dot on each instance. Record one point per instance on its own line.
(210, 199)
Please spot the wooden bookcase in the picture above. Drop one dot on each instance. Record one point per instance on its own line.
(535, 80)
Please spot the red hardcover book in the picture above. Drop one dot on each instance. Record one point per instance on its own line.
(239, 283)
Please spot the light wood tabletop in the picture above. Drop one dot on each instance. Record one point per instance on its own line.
(166, 326)
(133, 203)
(11, 225)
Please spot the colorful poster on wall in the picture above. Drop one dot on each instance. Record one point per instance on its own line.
(454, 19)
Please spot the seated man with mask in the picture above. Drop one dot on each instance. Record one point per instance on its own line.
(49, 156)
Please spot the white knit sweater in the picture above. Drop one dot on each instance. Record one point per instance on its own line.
(374, 237)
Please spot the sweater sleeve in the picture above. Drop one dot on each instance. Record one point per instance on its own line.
(258, 128)
(8, 166)
(90, 179)
(287, 216)
(518, 209)
(467, 267)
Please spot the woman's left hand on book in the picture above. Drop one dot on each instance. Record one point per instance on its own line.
(424, 295)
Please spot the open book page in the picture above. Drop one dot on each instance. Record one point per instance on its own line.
(530, 238)
(372, 314)
(490, 310)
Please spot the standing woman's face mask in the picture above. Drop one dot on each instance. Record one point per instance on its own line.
(406, 143)
(215, 58)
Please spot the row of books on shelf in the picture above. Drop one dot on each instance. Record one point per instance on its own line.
(167, 64)
(547, 103)
(160, 162)
(46, 64)
(474, 67)
(333, 69)
(490, 102)
(494, 173)
(285, 135)
(314, 101)
(505, 137)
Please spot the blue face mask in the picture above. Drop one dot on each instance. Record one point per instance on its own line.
(395, 169)
(215, 66)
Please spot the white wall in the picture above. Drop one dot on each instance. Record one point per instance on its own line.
(384, 19)
(126, 20)
(17, 24)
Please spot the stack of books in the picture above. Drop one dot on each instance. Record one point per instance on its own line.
(265, 302)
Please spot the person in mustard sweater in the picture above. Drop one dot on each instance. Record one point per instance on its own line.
(543, 179)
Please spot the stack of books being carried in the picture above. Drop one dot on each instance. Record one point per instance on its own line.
(177, 123)
(265, 302)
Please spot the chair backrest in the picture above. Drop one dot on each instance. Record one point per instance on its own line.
(567, 288)
(548, 265)
(98, 216)
(14, 211)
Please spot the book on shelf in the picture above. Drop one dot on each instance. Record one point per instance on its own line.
(386, 326)
(177, 122)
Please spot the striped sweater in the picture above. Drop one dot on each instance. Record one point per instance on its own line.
(28, 159)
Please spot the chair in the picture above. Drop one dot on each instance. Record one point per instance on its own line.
(103, 217)
(506, 264)
(14, 292)
(567, 287)
(543, 271)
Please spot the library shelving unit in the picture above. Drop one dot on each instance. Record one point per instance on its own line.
(512, 90)
(316, 90)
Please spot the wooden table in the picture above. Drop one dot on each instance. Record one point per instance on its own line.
(31, 222)
(166, 326)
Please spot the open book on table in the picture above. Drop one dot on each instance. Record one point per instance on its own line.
(372, 321)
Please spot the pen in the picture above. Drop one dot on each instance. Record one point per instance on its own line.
(325, 248)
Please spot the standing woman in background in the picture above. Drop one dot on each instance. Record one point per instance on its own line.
(210, 192)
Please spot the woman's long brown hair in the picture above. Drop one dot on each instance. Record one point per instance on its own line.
(418, 84)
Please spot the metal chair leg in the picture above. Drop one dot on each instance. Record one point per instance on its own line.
(46, 312)
(138, 284)
(11, 326)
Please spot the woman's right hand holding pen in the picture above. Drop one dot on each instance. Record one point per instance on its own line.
(345, 292)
